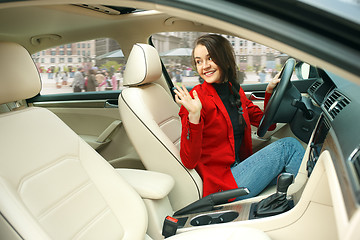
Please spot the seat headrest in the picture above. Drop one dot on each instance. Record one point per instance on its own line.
(19, 78)
(143, 65)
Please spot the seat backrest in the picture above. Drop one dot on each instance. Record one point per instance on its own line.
(150, 117)
(53, 185)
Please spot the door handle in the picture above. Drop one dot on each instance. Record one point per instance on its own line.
(108, 131)
(255, 97)
(110, 104)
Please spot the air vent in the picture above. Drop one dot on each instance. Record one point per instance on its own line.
(314, 87)
(335, 103)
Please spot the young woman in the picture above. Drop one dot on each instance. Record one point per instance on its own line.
(216, 132)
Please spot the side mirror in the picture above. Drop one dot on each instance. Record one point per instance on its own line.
(305, 71)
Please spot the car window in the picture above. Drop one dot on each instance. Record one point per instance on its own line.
(256, 63)
(58, 66)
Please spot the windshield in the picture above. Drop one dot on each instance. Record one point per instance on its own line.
(347, 9)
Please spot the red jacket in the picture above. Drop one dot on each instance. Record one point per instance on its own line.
(209, 146)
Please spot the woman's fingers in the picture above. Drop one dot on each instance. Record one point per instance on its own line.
(182, 92)
(185, 92)
(272, 84)
(179, 93)
(192, 104)
(195, 95)
(184, 89)
(177, 99)
(177, 90)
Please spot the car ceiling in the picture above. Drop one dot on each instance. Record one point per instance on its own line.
(74, 23)
(70, 22)
(42, 27)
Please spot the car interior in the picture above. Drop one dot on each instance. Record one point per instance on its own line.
(106, 164)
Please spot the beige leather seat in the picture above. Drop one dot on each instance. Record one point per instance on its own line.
(150, 117)
(53, 185)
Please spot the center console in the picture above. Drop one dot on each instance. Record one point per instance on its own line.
(228, 213)
(276, 203)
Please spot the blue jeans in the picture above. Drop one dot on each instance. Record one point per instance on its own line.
(262, 168)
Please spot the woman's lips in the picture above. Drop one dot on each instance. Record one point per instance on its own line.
(209, 73)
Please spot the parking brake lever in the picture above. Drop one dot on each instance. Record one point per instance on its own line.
(207, 203)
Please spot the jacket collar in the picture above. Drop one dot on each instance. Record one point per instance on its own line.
(209, 88)
(214, 97)
(211, 92)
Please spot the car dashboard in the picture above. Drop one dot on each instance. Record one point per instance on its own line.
(337, 132)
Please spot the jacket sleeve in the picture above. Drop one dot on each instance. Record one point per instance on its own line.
(191, 139)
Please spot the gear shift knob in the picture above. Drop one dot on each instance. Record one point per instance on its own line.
(276, 203)
(284, 181)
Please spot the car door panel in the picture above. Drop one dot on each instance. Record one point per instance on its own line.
(98, 123)
(257, 97)
(282, 129)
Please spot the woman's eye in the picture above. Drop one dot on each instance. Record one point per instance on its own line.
(198, 62)
(210, 58)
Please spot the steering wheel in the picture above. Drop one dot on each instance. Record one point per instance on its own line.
(281, 97)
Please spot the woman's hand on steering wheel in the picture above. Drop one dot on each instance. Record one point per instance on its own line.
(273, 83)
(279, 108)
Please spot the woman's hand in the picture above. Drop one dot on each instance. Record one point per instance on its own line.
(193, 105)
(272, 84)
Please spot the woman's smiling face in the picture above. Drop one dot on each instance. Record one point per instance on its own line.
(205, 66)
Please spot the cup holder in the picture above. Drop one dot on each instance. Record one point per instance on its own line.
(201, 220)
(214, 218)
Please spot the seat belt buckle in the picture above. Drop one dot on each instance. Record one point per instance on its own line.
(170, 226)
